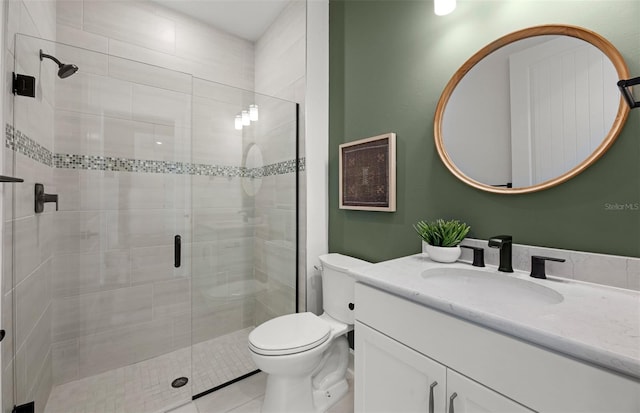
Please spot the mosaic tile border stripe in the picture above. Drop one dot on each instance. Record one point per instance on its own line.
(19, 142)
(107, 163)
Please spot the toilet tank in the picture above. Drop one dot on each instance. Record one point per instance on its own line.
(338, 285)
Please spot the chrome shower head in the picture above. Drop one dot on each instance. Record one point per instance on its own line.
(64, 70)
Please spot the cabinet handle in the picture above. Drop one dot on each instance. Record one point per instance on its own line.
(434, 384)
(453, 396)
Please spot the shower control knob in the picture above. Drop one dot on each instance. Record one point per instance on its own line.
(351, 306)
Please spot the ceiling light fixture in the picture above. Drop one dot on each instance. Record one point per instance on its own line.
(245, 117)
(246, 120)
(253, 113)
(443, 7)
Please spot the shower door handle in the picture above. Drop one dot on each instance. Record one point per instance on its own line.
(177, 246)
(11, 179)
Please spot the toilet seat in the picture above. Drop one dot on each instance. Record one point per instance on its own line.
(289, 334)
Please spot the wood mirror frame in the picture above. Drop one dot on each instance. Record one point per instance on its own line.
(574, 31)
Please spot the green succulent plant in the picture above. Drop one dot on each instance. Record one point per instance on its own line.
(441, 233)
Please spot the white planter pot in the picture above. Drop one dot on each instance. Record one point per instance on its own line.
(442, 254)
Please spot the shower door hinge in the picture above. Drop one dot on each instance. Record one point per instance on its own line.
(25, 408)
(24, 85)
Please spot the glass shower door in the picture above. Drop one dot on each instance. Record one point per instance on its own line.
(244, 225)
(101, 305)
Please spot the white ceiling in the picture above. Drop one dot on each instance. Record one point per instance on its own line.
(248, 19)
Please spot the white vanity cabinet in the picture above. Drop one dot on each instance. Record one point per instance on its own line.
(391, 377)
(402, 348)
(394, 378)
(466, 396)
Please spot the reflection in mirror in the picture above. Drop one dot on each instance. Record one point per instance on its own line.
(531, 112)
(253, 162)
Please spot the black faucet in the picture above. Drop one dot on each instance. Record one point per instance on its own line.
(503, 242)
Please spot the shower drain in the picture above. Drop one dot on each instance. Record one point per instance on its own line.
(179, 382)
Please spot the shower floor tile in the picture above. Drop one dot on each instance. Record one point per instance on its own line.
(145, 387)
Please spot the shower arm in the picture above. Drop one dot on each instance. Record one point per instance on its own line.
(48, 56)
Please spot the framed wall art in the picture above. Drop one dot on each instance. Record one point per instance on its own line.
(368, 174)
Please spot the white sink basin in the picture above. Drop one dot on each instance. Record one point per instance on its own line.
(477, 285)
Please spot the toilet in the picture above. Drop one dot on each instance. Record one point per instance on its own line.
(304, 355)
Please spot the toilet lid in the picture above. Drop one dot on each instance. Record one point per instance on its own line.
(289, 334)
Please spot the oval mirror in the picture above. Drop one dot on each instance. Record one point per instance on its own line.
(254, 163)
(531, 109)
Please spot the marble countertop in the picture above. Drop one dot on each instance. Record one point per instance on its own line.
(594, 323)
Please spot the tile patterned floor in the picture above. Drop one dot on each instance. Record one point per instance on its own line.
(246, 397)
(145, 387)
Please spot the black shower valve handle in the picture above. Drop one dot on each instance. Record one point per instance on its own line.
(41, 198)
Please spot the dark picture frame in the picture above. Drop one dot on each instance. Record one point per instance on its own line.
(367, 172)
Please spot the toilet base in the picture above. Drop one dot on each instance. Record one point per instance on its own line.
(324, 399)
(293, 394)
(288, 394)
(313, 392)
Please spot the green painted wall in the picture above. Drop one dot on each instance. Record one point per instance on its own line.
(390, 60)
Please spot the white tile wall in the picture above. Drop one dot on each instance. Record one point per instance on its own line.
(78, 133)
(152, 264)
(79, 231)
(146, 32)
(145, 74)
(116, 236)
(161, 107)
(33, 296)
(91, 313)
(69, 13)
(25, 242)
(115, 107)
(31, 172)
(94, 94)
(69, 34)
(215, 139)
(43, 14)
(80, 273)
(280, 68)
(116, 348)
(132, 22)
(64, 355)
(280, 53)
(171, 298)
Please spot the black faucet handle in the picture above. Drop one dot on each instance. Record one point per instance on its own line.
(478, 255)
(537, 265)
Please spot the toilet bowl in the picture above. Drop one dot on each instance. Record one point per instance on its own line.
(304, 355)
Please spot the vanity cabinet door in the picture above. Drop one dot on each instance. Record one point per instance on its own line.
(391, 377)
(466, 396)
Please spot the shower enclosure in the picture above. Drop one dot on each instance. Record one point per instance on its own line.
(175, 232)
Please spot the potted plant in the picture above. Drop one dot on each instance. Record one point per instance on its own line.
(442, 238)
